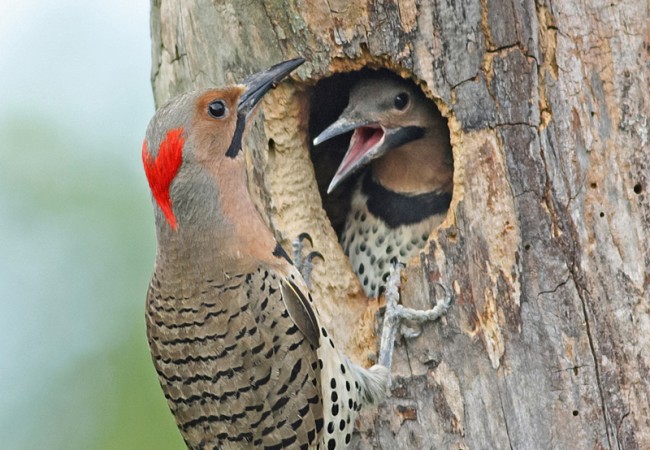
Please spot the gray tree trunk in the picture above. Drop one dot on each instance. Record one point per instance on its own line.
(546, 243)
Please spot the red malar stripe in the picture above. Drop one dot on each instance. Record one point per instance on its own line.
(162, 170)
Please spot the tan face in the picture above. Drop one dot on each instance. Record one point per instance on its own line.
(214, 124)
(187, 140)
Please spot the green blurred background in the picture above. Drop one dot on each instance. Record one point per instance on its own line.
(76, 233)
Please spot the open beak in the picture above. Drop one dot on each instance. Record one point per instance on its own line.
(260, 83)
(366, 144)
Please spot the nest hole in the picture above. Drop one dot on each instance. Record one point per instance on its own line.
(329, 98)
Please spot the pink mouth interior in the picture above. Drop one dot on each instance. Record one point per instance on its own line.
(363, 140)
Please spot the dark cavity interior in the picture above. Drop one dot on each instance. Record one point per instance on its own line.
(328, 100)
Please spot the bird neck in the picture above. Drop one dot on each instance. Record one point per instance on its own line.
(221, 235)
(417, 167)
(396, 209)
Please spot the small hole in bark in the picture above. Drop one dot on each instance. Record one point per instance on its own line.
(271, 145)
(329, 98)
(593, 185)
(575, 413)
(527, 247)
(638, 188)
(602, 214)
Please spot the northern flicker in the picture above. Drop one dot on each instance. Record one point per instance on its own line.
(236, 341)
(401, 143)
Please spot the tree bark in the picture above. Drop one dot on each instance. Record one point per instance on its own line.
(545, 247)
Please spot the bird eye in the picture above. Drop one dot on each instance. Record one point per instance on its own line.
(401, 101)
(217, 109)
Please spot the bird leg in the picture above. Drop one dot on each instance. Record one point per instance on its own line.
(396, 313)
(304, 264)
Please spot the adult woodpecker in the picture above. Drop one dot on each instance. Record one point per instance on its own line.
(401, 142)
(234, 336)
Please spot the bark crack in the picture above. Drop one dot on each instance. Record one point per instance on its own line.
(268, 16)
(467, 80)
(620, 422)
(156, 71)
(580, 289)
(506, 124)
(503, 411)
(330, 10)
(179, 56)
(552, 291)
(572, 368)
(524, 192)
(579, 191)
(592, 348)
(505, 48)
(408, 357)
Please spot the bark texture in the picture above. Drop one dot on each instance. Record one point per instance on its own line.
(546, 244)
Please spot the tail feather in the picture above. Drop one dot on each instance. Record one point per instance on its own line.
(373, 382)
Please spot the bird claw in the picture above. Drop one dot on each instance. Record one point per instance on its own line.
(297, 247)
(396, 313)
(304, 263)
(409, 332)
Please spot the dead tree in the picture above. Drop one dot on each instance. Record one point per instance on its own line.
(546, 245)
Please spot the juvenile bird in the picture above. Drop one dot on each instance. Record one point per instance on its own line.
(234, 336)
(401, 143)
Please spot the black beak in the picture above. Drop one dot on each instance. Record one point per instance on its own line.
(260, 83)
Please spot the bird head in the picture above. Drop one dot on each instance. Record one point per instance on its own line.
(192, 151)
(385, 112)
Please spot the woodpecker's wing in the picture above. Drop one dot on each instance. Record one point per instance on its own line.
(300, 309)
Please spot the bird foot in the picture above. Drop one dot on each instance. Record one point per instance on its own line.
(409, 332)
(396, 313)
(304, 264)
